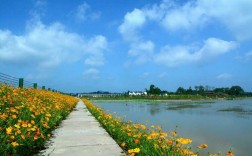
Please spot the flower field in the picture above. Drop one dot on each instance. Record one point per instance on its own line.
(28, 116)
(140, 140)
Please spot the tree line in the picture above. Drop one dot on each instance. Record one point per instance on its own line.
(200, 90)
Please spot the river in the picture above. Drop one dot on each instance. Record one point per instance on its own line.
(222, 124)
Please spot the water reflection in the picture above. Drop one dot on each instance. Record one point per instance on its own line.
(220, 124)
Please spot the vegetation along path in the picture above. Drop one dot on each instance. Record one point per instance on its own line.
(80, 134)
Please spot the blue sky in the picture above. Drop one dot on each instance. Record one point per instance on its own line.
(118, 45)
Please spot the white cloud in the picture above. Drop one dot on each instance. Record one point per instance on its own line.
(234, 15)
(142, 51)
(96, 47)
(84, 12)
(184, 17)
(49, 46)
(91, 73)
(179, 55)
(224, 76)
(81, 13)
(139, 48)
(132, 21)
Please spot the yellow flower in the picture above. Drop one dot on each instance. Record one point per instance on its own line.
(14, 144)
(149, 137)
(17, 126)
(184, 141)
(174, 133)
(203, 146)
(18, 132)
(14, 116)
(48, 115)
(9, 130)
(143, 126)
(136, 150)
(163, 135)
(159, 128)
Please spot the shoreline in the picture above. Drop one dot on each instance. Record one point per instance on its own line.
(165, 100)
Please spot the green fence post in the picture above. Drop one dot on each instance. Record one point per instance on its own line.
(21, 83)
(43, 87)
(35, 85)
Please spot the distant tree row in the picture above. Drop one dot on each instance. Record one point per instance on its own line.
(201, 90)
(234, 90)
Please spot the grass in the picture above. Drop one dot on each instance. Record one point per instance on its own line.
(28, 116)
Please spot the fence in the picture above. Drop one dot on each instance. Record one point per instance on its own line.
(19, 82)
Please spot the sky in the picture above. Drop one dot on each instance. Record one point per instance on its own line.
(127, 45)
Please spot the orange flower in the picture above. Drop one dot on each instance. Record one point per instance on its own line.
(123, 144)
(136, 141)
(24, 124)
(23, 137)
(230, 153)
(32, 122)
(170, 142)
(3, 116)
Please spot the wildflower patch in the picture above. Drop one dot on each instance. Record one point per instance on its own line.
(28, 116)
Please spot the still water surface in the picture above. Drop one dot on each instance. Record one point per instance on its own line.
(221, 124)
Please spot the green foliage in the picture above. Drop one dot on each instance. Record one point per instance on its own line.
(153, 90)
(236, 90)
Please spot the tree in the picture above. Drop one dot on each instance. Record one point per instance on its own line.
(222, 90)
(153, 90)
(236, 90)
(180, 90)
(189, 90)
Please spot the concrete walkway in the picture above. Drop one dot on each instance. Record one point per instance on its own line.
(81, 135)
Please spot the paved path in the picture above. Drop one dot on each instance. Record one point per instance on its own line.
(81, 135)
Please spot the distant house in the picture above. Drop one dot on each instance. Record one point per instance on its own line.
(137, 93)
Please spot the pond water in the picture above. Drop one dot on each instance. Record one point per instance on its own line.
(222, 124)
